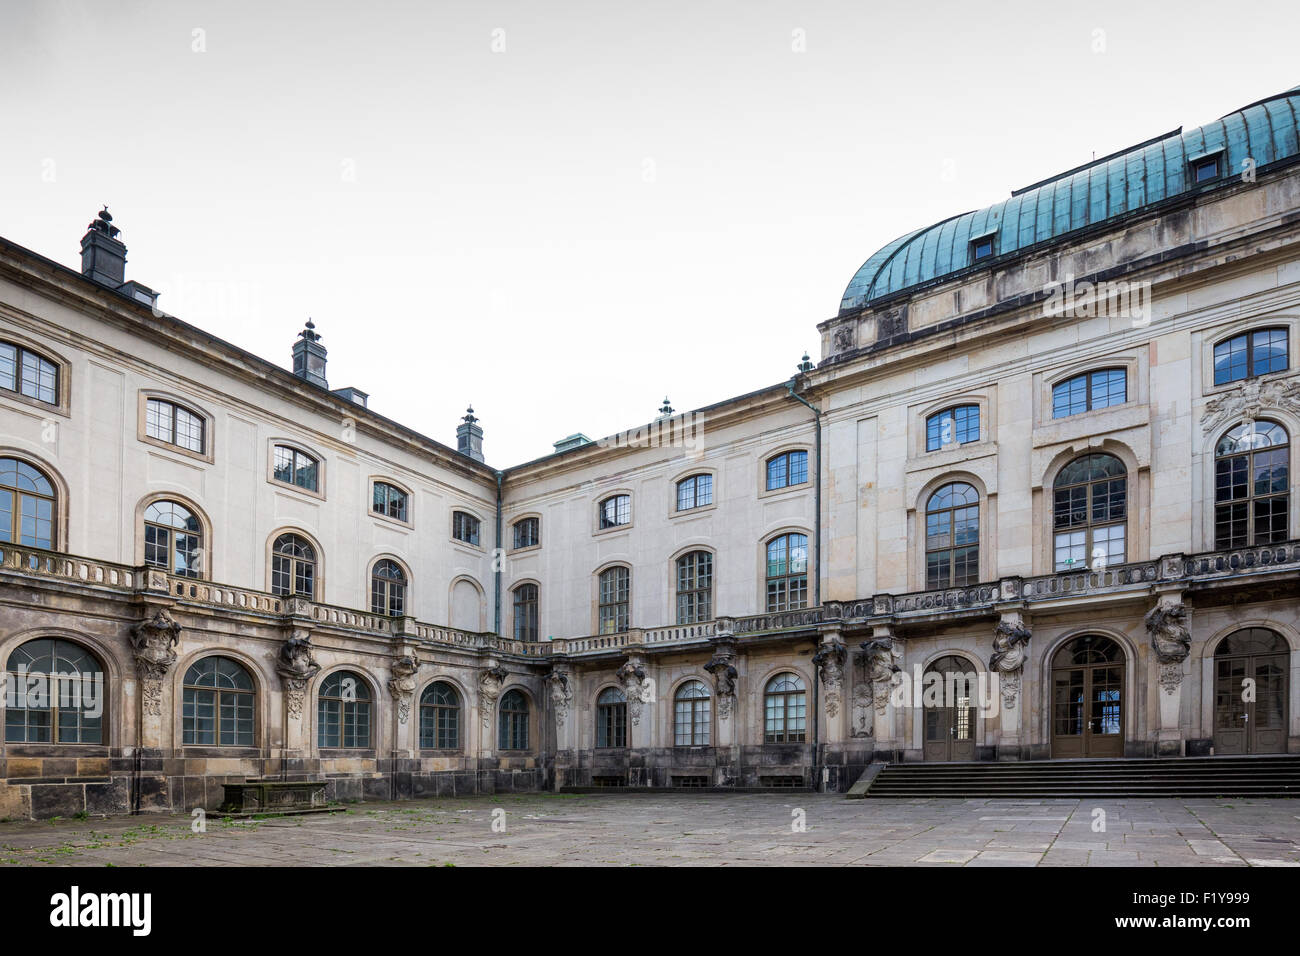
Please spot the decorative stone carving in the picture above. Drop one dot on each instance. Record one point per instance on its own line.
(881, 669)
(561, 695)
(1010, 647)
(844, 339)
(635, 686)
(829, 660)
(489, 688)
(402, 685)
(723, 669)
(296, 666)
(152, 644)
(1171, 640)
(1250, 400)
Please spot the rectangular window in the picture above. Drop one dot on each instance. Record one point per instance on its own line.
(294, 467)
(1090, 392)
(465, 527)
(1205, 170)
(615, 511)
(981, 248)
(694, 492)
(790, 468)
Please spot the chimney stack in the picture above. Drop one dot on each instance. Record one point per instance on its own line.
(309, 356)
(103, 255)
(469, 436)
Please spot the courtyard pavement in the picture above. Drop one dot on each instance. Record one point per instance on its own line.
(689, 829)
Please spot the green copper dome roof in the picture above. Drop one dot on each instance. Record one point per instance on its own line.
(1105, 189)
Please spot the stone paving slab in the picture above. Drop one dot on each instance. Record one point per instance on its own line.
(684, 829)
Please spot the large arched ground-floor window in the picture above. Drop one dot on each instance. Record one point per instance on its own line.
(56, 694)
(1250, 692)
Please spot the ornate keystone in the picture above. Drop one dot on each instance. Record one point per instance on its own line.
(1171, 640)
(296, 666)
(152, 644)
(561, 695)
(1010, 645)
(829, 660)
(402, 685)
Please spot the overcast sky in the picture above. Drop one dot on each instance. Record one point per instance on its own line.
(564, 211)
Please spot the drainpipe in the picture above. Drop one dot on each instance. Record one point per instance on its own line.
(817, 566)
(497, 562)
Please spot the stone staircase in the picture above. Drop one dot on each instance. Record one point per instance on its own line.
(1255, 776)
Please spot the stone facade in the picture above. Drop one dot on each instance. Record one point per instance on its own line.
(1219, 263)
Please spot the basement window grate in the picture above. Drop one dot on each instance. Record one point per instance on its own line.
(782, 783)
(691, 782)
(608, 781)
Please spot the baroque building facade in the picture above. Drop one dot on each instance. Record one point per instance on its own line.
(1048, 446)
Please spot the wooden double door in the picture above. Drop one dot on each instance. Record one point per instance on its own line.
(1250, 692)
(1088, 698)
(950, 723)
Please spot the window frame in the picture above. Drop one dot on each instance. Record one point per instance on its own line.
(975, 242)
(318, 566)
(953, 546)
(461, 513)
(1091, 524)
(54, 710)
(514, 532)
(698, 594)
(611, 718)
(948, 446)
(601, 527)
(343, 722)
(511, 720)
(765, 577)
(176, 403)
(298, 449)
(407, 521)
(764, 482)
(785, 735)
(458, 709)
(694, 480)
(23, 348)
(516, 599)
(56, 498)
(1087, 376)
(388, 585)
(625, 604)
(1251, 498)
(219, 692)
(1248, 334)
(143, 524)
(699, 724)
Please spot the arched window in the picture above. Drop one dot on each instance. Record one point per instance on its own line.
(1252, 485)
(694, 492)
(952, 426)
(785, 707)
(528, 532)
(615, 587)
(218, 704)
(389, 501)
(27, 373)
(465, 527)
(786, 469)
(1250, 355)
(387, 588)
(611, 718)
(1089, 392)
(695, 587)
(615, 510)
(294, 467)
(174, 424)
(526, 612)
(1090, 508)
(952, 536)
(440, 717)
(56, 694)
(173, 539)
(691, 719)
(343, 711)
(26, 505)
(787, 572)
(293, 566)
(513, 724)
